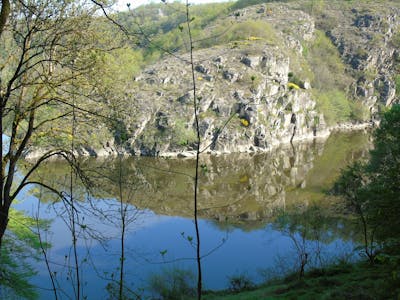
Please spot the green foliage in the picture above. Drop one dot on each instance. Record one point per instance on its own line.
(395, 40)
(166, 26)
(246, 30)
(334, 105)
(20, 227)
(359, 112)
(314, 7)
(20, 242)
(15, 276)
(183, 134)
(173, 284)
(245, 3)
(240, 283)
(324, 60)
(374, 189)
(384, 186)
(119, 130)
(338, 281)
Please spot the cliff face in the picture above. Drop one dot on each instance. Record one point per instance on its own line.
(368, 39)
(256, 92)
(245, 98)
(245, 102)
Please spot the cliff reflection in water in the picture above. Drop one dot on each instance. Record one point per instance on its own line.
(235, 188)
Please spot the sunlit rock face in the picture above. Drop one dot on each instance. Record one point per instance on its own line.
(245, 91)
(367, 38)
(245, 102)
(244, 94)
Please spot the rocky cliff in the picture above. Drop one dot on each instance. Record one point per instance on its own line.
(245, 98)
(368, 39)
(272, 73)
(256, 93)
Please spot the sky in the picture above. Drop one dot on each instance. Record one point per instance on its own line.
(135, 3)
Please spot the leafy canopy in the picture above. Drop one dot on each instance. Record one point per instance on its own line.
(373, 188)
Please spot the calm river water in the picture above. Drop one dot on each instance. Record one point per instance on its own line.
(255, 211)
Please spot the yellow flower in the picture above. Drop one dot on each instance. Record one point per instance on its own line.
(292, 85)
(244, 122)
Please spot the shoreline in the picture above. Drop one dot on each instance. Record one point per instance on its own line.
(191, 154)
(322, 135)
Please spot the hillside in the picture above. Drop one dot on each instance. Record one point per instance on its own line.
(265, 74)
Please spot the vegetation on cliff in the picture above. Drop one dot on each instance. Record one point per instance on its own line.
(345, 87)
(73, 83)
(323, 63)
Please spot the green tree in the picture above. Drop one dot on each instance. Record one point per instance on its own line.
(384, 169)
(51, 54)
(373, 189)
(21, 242)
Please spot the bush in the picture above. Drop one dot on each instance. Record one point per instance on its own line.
(359, 112)
(238, 283)
(173, 284)
(249, 30)
(324, 60)
(335, 106)
(183, 134)
(395, 41)
(372, 189)
(245, 3)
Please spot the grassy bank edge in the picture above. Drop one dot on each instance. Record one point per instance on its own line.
(340, 281)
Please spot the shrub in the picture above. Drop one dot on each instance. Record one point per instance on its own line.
(245, 3)
(359, 112)
(173, 284)
(324, 60)
(240, 282)
(335, 106)
(183, 134)
(249, 30)
(395, 41)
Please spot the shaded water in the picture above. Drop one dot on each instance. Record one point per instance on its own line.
(241, 199)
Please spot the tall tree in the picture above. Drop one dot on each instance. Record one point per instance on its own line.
(373, 189)
(48, 60)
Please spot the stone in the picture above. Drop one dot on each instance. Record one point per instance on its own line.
(251, 61)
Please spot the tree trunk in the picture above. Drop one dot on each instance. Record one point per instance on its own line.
(3, 223)
(5, 12)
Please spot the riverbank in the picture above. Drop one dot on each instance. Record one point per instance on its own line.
(35, 153)
(321, 136)
(340, 281)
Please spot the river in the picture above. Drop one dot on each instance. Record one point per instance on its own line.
(255, 211)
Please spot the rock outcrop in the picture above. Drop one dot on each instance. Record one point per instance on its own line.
(368, 39)
(248, 92)
(245, 102)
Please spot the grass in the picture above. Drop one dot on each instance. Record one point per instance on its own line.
(341, 281)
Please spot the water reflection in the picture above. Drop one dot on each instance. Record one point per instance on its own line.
(236, 188)
(240, 196)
